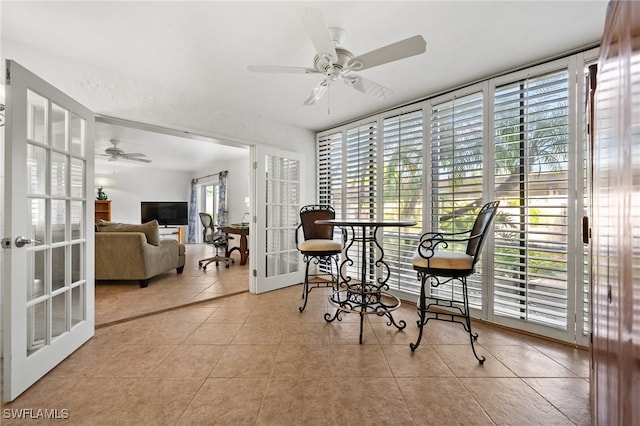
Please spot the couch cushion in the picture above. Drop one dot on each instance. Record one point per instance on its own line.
(150, 229)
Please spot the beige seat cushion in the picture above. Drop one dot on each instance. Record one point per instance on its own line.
(150, 229)
(444, 260)
(320, 245)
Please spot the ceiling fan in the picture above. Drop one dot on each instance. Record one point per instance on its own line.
(336, 62)
(114, 153)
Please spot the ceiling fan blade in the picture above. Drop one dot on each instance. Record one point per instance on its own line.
(399, 50)
(143, 160)
(133, 154)
(316, 93)
(318, 32)
(280, 69)
(367, 86)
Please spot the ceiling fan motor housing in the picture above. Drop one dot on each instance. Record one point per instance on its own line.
(333, 70)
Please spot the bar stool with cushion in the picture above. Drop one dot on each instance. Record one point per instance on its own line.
(446, 272)
(318, 247)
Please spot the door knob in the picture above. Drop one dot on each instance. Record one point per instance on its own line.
(21, 242)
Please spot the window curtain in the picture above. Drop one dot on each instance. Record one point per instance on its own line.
(193, 206)
(222, 198)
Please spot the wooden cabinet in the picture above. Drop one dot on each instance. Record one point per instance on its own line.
(103, 210)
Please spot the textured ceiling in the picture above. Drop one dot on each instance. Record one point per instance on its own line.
(200, 50)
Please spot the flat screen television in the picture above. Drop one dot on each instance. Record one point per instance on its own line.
(165, 212)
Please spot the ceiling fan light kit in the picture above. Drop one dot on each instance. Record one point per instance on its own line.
(335, 62)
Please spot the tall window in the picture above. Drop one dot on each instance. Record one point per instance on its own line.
(457, 176)
(402, 142)
(360, 201)
(531, 172)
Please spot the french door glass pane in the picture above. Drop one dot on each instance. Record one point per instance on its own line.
(58, 267)
(77, 263)
(36, 327)
(77, 214)
(77, 177)
(36, 262)
(78, 135)
(58, 220)
(78, 311)
(36, 170)
(58, 174)
(37, 220)
(59, 127)
(58, 314)
(37, 107)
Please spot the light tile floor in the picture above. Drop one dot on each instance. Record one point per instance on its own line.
(255, 360)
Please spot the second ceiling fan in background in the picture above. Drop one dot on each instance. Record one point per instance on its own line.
(336, 62)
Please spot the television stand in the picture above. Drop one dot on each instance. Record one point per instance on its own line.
(171, 232)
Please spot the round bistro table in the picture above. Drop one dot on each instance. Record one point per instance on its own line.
(360, 296)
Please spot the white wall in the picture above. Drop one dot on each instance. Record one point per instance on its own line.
(237, 184)
(128, 186)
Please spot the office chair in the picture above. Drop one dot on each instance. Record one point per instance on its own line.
(318, 246)
(441, 269)
(217, 239)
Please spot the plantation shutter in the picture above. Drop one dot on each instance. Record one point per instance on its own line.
(402, 197)
(457, 176)
(330, 171)
(360, 188)
(531, 178)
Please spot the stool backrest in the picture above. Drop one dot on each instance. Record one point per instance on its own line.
(313, 231)
(480, 227)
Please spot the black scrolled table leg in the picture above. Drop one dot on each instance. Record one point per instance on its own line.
(364, 298)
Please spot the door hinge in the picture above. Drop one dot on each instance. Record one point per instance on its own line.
(255, 165)
(6, 243)
(255, 273)
(7, 75)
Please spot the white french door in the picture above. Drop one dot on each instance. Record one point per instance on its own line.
(278, 179)
(48, 282)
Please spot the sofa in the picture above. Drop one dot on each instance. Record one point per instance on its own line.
(134, 252)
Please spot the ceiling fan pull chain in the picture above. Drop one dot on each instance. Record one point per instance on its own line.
(328, 99)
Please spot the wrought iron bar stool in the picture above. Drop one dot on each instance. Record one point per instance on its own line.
(318, 247)
(441, 269)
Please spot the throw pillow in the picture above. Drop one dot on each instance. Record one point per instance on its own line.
(150, 229)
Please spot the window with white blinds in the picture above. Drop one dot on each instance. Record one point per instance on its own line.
(330, 171)
(516, 139)
(402, 198)
(360, 192)
(531, 180)
(330, 181)
(457, 177)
